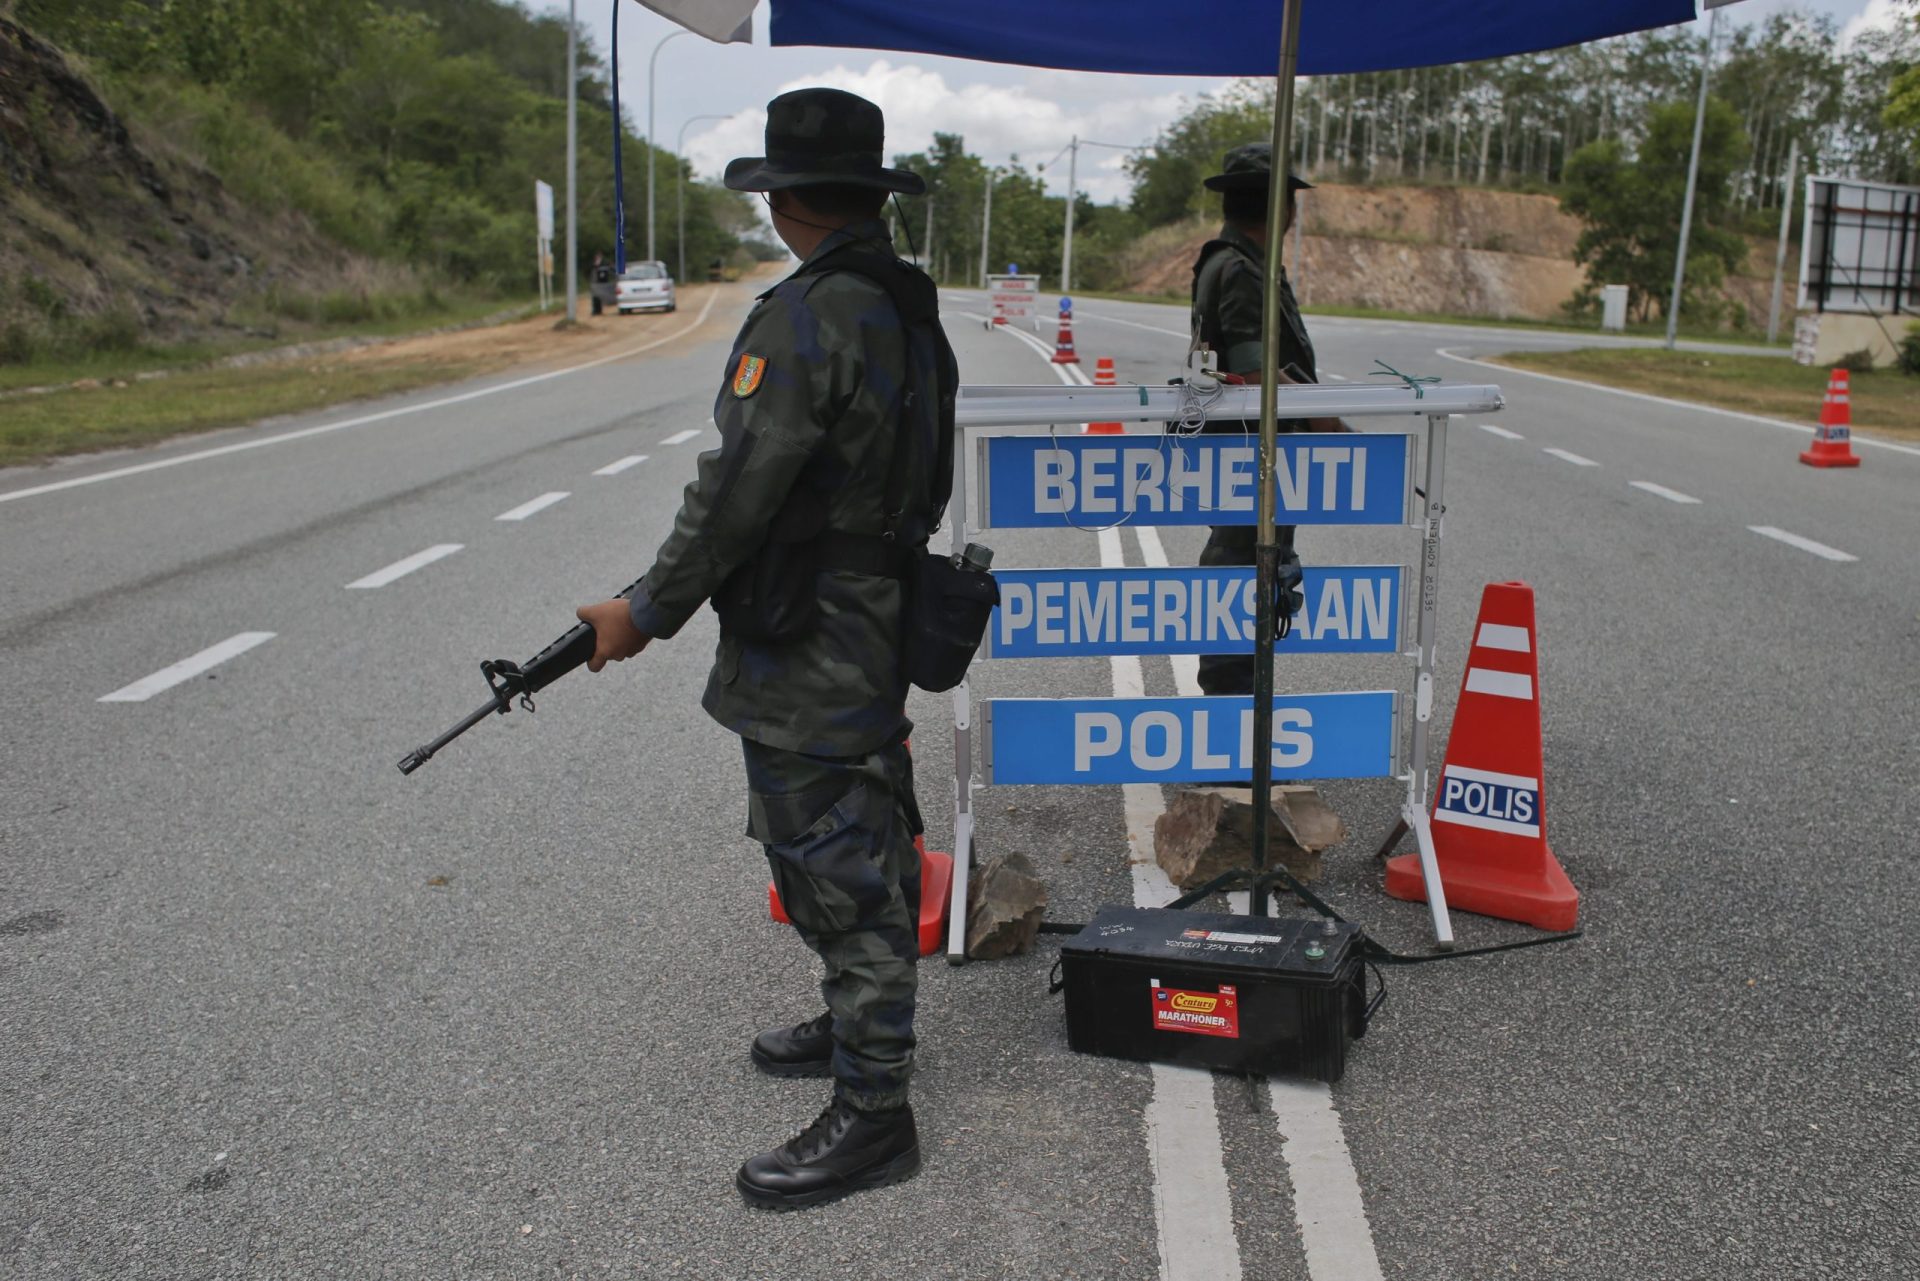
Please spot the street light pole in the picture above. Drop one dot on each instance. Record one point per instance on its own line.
(573, 207)
(986, 225)
(1066, 248)
(652, 64)
(1693, 176)
(1780, 254)
(680, 186)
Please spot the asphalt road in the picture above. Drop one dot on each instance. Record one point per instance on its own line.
(272, 1010)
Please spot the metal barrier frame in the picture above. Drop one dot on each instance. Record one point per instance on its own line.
(979, 409)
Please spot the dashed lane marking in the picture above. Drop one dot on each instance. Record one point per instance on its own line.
(1502, 432)
(401, 568)
(1804, 544)
(1661, 491)
(200, 455)
(619, 465)
(528, 508)
(681, 437)
(187, 668)
(1569, 456)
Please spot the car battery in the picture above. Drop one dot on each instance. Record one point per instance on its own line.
(1243, 993)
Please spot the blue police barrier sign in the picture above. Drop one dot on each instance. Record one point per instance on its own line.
(1186, 740)
(1082, 482)
(1062, 613)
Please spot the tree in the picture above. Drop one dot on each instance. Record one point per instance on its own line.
(1631, 205)
(1902, 112)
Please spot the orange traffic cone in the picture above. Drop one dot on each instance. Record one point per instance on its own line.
(1103, 377)
(1833, 442)
(936, 888)
(1489, 819)
(999, 313)
(1063, 353)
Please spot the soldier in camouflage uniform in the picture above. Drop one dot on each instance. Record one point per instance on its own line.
(817, 393)
(1229, 290)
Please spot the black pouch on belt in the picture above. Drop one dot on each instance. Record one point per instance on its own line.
(948, 607)
(774, 599)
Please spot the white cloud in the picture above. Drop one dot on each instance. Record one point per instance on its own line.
(1884, 14)
(998, 121)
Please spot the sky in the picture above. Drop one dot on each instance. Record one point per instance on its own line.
(1003, 112)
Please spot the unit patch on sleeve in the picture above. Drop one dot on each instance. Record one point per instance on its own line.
(747, 375)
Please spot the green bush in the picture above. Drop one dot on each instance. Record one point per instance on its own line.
(1856, 362)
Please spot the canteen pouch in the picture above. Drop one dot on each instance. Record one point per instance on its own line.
(773, 599)
(948, 607)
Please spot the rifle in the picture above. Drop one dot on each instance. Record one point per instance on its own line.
(509, 680)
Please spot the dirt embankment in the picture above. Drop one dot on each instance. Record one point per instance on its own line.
(96, 219)
(1450, 250)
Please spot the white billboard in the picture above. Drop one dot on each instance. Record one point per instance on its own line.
(1860, 247)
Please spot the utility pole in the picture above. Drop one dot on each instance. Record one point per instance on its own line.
(986, 226)
(929, 235)
(1066, 249)
(573, 167)
(1780, 254)
(1693, 177)
(680, 186)
(652, 64)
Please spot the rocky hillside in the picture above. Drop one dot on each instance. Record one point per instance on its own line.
(1434, 249)
(115, 233)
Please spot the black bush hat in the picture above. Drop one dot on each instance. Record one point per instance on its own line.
(1250, 168)
(821, 135)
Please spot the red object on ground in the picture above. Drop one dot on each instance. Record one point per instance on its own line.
(1063, 353)
(1103, 377)
(936, 885)
(1489, 815)
(1833, 442)
(999, 313)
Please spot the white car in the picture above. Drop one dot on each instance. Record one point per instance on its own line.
(646, 286)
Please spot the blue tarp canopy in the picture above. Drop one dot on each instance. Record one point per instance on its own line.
(1224, 38)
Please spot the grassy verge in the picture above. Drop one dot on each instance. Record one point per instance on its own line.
(58, 367)
(37, 427)
(1883, 401)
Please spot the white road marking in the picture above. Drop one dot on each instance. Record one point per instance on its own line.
(621, 464)
(303, 433)
(1804, 544)
(401, 568)
(681, 437)
(1661, 491)
(539, 504)
(1502, 432)
(1327, 1204)
(187, 668)
(1669, 401)
(1569, 456)
(1132, 324)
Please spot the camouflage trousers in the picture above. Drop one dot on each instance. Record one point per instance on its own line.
(838, 832)
(1234, 545)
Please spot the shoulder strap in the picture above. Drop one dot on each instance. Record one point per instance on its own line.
(917, 300)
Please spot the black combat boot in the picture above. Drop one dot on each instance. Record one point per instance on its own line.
(845, 1151)
(805, 1049)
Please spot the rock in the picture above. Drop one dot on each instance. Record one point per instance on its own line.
(1005, 901)
(1209, 830)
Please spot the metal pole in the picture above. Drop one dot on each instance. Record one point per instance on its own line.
(1066, 250)
(1780, 254)
(986, 228)
(1693, 176)
(573, 206)
(1267, 548)
(928, 240)
(1300, 247)
(680, 185)
(653, 63)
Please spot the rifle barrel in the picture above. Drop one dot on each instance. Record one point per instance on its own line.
(421, 755)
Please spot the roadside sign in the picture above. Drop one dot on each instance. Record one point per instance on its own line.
(543, 208)
(1089, 482)
(1064, 613)
(1014, 296)
(1186, 740)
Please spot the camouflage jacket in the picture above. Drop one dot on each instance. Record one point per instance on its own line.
(1229, 303)
(813, 393)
